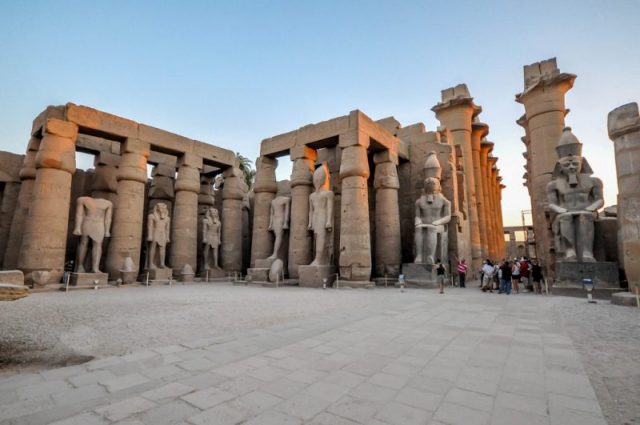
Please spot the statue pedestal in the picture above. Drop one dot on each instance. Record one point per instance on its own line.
(264, 264)
(213, 273)
(88, 280)
(128, 276)
(421, 275)
(258, 274)
(569, 275)
(160, 275)
(313, 276)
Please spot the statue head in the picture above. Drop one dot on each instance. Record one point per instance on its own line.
(570, 165)
(212, 213)
(161, 210)
(432, 185)
(570, 161)
(321, 177)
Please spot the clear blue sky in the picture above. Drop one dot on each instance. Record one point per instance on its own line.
(235, 72)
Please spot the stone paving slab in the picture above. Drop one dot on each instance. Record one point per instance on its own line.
(463, 358)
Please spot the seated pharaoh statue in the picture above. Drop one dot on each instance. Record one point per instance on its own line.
(321, 216)
(433, 213)
(93, 223)
(574, 197)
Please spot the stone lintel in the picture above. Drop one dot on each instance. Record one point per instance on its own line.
(158, 158)
(623, 120)
(417, 128)
(390, 124)
(92, 144)
(190, 160)
(93, 119)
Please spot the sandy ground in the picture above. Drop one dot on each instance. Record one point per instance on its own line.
(48, 330)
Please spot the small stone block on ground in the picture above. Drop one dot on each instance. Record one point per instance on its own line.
(88, 280)
(258, 274)
(419, 275)
(160, 274)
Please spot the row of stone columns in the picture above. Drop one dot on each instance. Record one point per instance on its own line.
(40, 222)
(355, 245)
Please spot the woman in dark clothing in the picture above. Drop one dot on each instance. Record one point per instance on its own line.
(536, 276)
(505, 284)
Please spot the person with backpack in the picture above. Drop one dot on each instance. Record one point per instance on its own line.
(440, 271)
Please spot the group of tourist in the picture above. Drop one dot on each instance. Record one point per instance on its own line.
(507, 276)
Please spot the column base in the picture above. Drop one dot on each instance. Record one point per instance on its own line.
(88, 280)
(212, 274)
(159, 275)
(258, 274)
(314, 276)
(128, 277)
(420, 275)
(624, 298)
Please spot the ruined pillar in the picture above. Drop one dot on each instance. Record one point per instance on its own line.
(478, 131)
(456, 112)
(300, 239)
(485, 148)
(45, 232)
(265, 189)
(355, 238)
(233, 193)
(21, 212)
(624, 130)
(543, 99)
(388, 247)
(184, 222)
(126, 227)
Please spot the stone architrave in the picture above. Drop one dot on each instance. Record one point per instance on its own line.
(93, 225)
(624, 130)
(233, 193)
(45, 232)
(456, 111)
(544, 102)
(126, 234)
(574, 196)
(265, 189)
(478, 131)
(388, 249)
(211, 239)
(432, 214)
(158, 236)
(355, 236)
(184, 231)
(279, 216)
(21, 212)
(300, 240)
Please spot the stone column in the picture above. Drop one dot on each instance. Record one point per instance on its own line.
(300, 239)
(478, 131)
(624, 130)
(355, 237)
(543, 100)
(45, 232)
(265, 189)
(184, 223)
(8, 203)
(456, 112)
(232, 202)
(126, 227)
(499, 187)
(21, 212)
(162, 188)
(485, 148)
(388, 244)
(493, 203)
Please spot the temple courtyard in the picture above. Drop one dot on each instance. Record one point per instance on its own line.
(224, 354)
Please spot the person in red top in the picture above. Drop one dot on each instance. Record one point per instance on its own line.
(462, 272)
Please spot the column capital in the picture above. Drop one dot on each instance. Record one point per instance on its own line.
(135, 146)
(354, 162)
(233, 185)
(623, 120)
(385, 156)
(478, 131)
(456, 109)
(266, 175)
(544, 88)
(302, 151)
(28, 170)
(353, 138)
(58, 146)
(386, 176)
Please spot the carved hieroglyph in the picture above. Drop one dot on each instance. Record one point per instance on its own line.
(93, 223)
(433, 212)
(321, 216)
(158, 231)
(279, 216)
(574, 196)
(211, 238)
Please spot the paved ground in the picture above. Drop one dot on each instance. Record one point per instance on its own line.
(294, 356)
